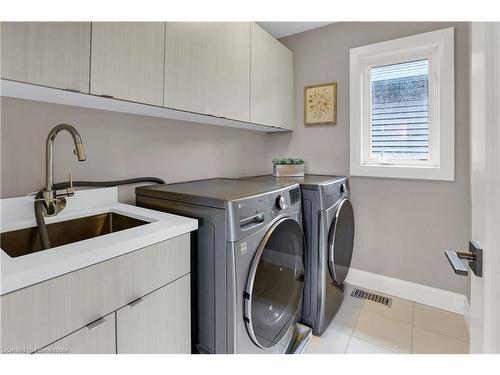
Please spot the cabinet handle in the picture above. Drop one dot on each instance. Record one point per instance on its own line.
(95, 323)
(107, 96)
(72, 90)
(136, 302)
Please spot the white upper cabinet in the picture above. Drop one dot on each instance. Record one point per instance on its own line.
(128, 61)
(55, 54)
(234, 72)
(272, 96)
(207, 68)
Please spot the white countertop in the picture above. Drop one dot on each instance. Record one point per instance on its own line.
(23, 271)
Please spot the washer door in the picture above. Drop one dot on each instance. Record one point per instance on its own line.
(340, 241)
(275, 283)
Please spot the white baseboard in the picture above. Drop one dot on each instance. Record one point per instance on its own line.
(419, 293)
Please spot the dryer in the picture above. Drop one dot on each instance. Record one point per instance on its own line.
(247, 262)
(328, 220)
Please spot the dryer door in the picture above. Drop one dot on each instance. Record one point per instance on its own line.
(340, 241)
(275, 283)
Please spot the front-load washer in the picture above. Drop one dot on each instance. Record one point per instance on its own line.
(247, 262)
(329, 229)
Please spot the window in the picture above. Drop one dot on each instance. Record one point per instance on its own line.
(402, 107)
(400, 111)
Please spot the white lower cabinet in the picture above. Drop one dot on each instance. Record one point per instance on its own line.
(157, 323)
(96, 338)
(75, 312)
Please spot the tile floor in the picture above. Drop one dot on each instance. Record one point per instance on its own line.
(365, 327)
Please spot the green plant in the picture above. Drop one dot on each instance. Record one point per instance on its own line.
(288, 161)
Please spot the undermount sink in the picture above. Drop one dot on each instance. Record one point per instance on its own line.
(27, 241)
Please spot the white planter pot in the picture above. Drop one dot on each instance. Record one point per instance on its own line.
(288, 170)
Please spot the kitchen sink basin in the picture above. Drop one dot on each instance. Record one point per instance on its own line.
(27, 241)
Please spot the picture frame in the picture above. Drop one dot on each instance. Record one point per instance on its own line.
(320, 104)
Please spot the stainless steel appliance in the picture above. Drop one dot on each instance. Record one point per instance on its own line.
(247, 262)
(328, 220)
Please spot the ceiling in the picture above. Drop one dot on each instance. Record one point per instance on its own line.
(282, 29)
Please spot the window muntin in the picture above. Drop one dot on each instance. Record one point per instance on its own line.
(399, 116)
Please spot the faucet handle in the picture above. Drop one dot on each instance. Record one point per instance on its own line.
(70, 191)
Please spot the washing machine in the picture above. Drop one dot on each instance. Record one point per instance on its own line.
(328, 220)
(247, 262)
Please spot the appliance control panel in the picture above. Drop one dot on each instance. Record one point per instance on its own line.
(294, 195)
(249, 215)
(280, 203)
(277, 203)
(333, 192)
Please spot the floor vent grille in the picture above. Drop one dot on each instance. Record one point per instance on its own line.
(361, 294)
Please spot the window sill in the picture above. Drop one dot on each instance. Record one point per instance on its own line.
(403, 171)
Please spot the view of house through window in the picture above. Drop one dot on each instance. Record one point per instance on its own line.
(400, 111)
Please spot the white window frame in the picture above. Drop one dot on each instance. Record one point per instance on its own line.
(435, 46)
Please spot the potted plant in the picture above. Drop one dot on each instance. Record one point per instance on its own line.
(288, 167)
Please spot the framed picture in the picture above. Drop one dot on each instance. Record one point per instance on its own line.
(320, 104)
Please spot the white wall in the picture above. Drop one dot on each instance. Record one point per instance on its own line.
(120, 146)
(402, 226)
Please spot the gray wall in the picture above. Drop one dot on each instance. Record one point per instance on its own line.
(120, 146)
(402, 226)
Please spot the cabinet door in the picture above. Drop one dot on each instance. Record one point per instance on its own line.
(128, 60)
(160, 322)
(96, 338)
(271, 75)
(55, 54)
(207, 68)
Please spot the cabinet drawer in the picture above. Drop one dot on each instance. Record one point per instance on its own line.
(35, 316)
(157, 323)
(96, 338)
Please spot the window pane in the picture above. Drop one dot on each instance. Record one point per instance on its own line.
(400, 111)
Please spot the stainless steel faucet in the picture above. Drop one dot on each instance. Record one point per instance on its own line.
(53, 202)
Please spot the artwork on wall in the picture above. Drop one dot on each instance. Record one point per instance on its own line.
(320, 104)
